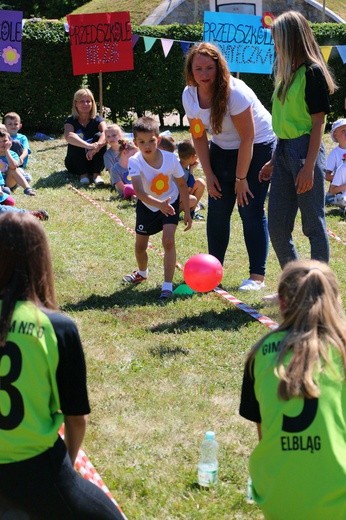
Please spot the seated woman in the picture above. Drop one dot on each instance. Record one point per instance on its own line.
(84, 131)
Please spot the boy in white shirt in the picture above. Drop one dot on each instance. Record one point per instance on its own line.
(152, 171)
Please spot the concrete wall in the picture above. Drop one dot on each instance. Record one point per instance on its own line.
(191, 11)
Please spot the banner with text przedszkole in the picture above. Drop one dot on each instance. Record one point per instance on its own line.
(100, 42)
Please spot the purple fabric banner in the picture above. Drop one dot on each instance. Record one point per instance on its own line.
(11, 41)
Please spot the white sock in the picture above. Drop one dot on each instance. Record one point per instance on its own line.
(144, 273)
(167, 286)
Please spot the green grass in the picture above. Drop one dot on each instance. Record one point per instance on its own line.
(158, 377)
(140, 9)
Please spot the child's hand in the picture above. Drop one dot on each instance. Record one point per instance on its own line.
(187, 221)
(166, 207)
(194, 165)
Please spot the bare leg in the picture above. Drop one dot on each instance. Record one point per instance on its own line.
(168, 242)
(141, 251)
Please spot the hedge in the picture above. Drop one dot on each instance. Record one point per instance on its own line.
(42, 93)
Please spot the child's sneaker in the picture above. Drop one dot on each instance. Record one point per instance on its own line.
(41, 214)
(165, 296)
(134, 277)
(30, 191)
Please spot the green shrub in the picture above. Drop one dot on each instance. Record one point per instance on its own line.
(42, 93)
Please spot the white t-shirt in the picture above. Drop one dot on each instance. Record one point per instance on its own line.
(334, 159)
(241, 97)
(157, 182)
(340, 177)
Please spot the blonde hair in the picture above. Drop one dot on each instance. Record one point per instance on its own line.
(114, 126)
(11, 115)
(77, 96)
(221, 86)
(295, 44)
(314, 321)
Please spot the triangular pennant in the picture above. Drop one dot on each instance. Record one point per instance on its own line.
(326, 50)
(166, 46)
(342, 52)
(148, 42)
(135, 39)
(185, 47)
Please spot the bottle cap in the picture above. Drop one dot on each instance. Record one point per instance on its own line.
(210, 436)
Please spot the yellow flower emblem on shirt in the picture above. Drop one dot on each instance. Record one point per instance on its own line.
(160, 184)
(196, 128)
(3, 166)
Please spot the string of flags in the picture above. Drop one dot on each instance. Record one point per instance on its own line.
(167, 44)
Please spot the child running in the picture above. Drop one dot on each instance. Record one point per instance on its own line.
(294, 388)
(152, 172)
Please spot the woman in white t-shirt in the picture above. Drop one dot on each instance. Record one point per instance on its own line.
(242, 141)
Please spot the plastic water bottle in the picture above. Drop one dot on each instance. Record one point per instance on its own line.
(208, 463)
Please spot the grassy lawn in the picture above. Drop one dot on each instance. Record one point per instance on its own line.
(158, 377)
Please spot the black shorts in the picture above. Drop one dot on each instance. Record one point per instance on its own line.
(150, 222)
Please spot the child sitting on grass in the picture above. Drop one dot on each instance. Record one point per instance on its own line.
(20, 143)
(153, 172)
(119, 172)
(189, 160)
(334, 161)
(9, 162)
(113, 134)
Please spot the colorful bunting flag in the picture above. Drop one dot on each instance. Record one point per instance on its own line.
(326, 50)
(166, 46)
(342, 51)
(148, 42)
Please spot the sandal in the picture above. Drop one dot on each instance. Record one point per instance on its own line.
(30, 191)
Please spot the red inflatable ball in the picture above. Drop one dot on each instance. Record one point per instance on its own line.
(203, 272)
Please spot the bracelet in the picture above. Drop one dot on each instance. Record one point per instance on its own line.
(238, 179)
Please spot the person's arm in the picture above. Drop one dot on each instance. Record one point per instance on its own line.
(12, 162)
(334, 189)
(202, 149)
(244, 125)
(75, 426)
(100, 143)
(184, 198)
(142, 195)
(329, 175)
(72, 138)
(305, 177)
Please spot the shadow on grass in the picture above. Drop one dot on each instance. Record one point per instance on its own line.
(336, 212)
(166, 352)
(56, 179)
(126, 297)
(228, 319)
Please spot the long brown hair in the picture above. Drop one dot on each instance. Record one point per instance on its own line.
(313, 317)
(295, 44)
(25, 266)
(221, 87)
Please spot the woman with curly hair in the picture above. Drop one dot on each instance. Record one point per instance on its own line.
(242, 141)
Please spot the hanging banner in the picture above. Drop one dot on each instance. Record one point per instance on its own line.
(100, 42)
(10, 41)
(244, 40)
